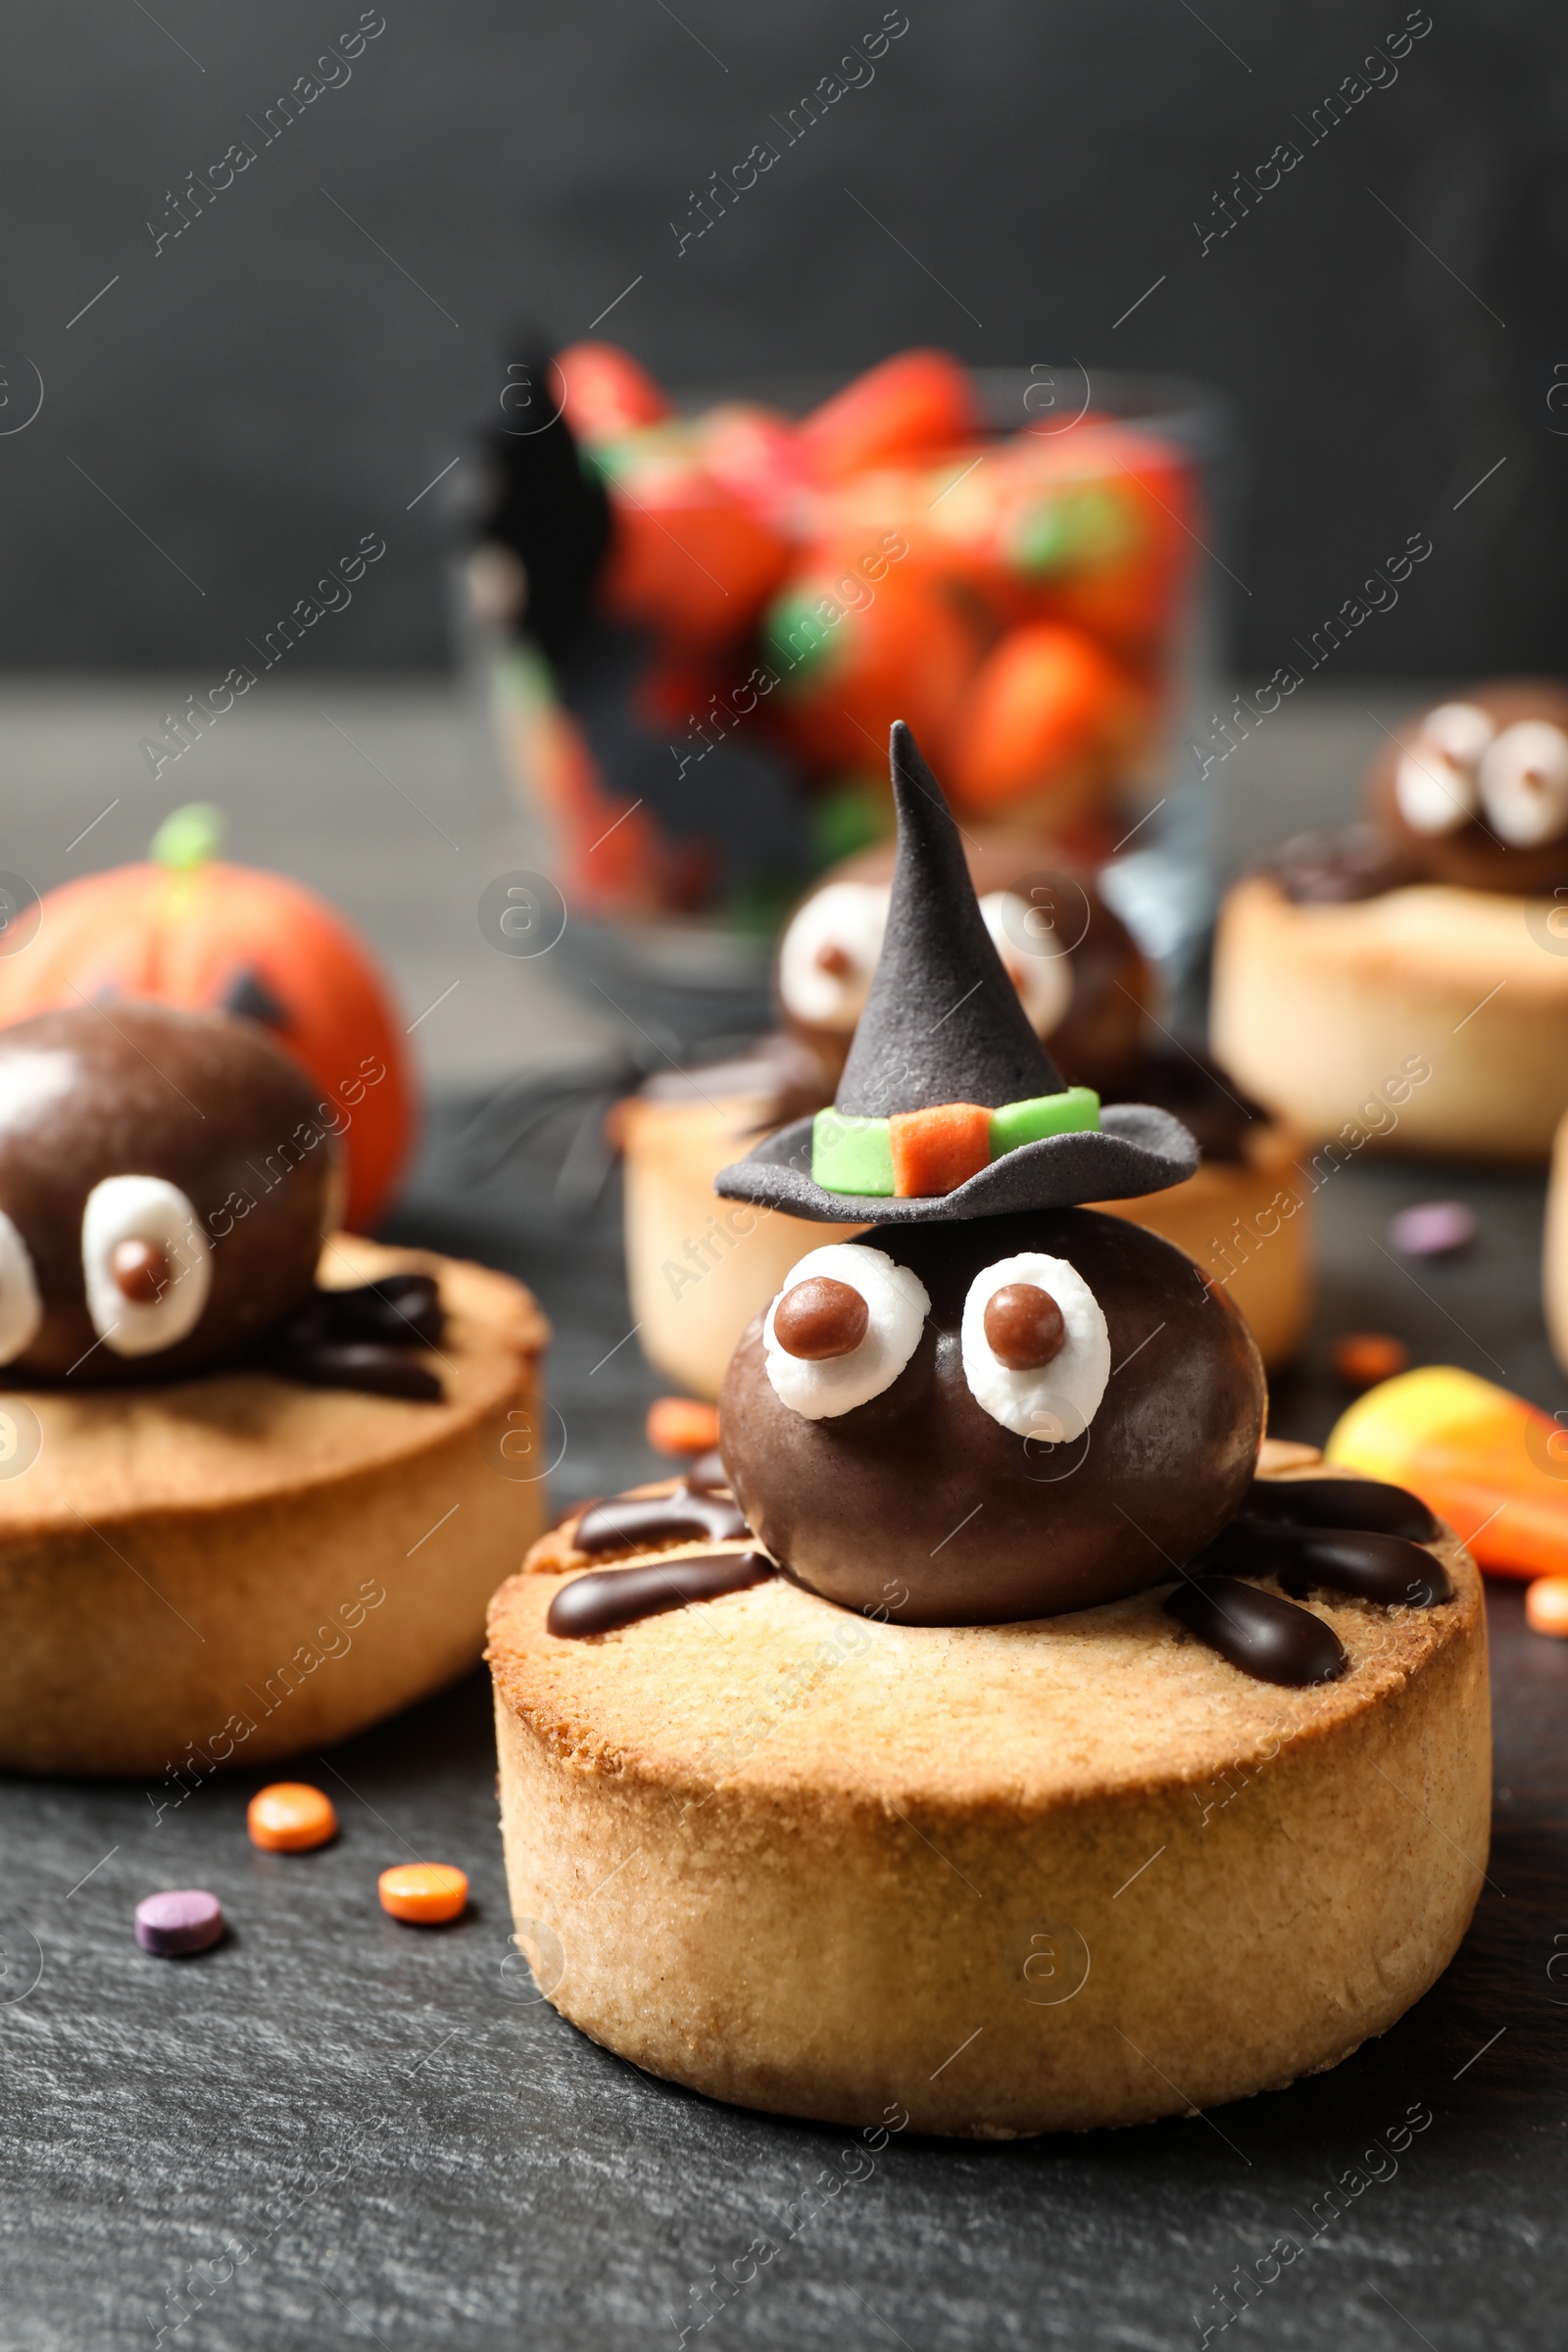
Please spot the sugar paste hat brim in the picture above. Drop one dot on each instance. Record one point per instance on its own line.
(1137, 1149)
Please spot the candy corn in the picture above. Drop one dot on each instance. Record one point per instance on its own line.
(1491, 1465)
(602, 391)
(1010, 585)
(917, 402)
(1048, 709)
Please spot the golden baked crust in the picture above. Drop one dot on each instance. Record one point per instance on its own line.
(1321, 1010)
(1555, 1251)
(188, 1573)
(796, 1859)
(1134, 1699)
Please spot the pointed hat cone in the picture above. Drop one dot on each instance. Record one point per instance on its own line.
(943, 1023)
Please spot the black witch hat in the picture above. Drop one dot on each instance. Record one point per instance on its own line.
(943, 1027)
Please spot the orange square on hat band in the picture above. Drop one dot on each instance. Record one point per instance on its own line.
(936, 1150)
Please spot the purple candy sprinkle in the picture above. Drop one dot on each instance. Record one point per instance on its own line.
(186, 1920)
(1433, 1229)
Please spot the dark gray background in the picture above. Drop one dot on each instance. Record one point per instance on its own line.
(270, 384)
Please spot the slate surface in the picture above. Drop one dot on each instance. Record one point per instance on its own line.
(337, 2131)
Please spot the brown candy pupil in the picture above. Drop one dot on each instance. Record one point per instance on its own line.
(140, 1271)
(1024, 1326)
(833, 959)
(820, 1318)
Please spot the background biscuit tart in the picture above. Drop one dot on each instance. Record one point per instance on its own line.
(699, 1268)
(1022, 1878)
(1319, 1010)
(187, 1570)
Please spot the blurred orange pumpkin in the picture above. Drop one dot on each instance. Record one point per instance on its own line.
(209, 937)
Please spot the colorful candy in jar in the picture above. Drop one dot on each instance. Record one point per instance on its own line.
(775, 591)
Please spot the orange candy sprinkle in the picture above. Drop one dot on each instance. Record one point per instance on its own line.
(290, 1817)
(935, 1150)
(425, 1894)
(682, 1425)
(1361, 1358)
(1547, 1606)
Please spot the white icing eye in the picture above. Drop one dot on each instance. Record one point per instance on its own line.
(857, 1350)
(1524, 783)
(146, 1263)
(828, 955)
(1434, 795)
(1460, 731)
(1435, 784)
(1007, 1330)
(1044, 977)
(20, 1307)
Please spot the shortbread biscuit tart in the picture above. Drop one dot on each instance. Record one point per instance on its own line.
(989, 1725)
(256, 1477)
(1404, 983)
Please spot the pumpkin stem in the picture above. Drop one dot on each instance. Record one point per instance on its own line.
(188, 837)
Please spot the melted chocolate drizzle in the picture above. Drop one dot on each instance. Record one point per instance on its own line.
(366, 1364)
(1271, 1639)
(1336, 869)
(403, 1310)
(635, 1521)
(1341, 1502)
(365, 1339)
(1363, 1561)
(607, 1598)
(1351, 1534)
